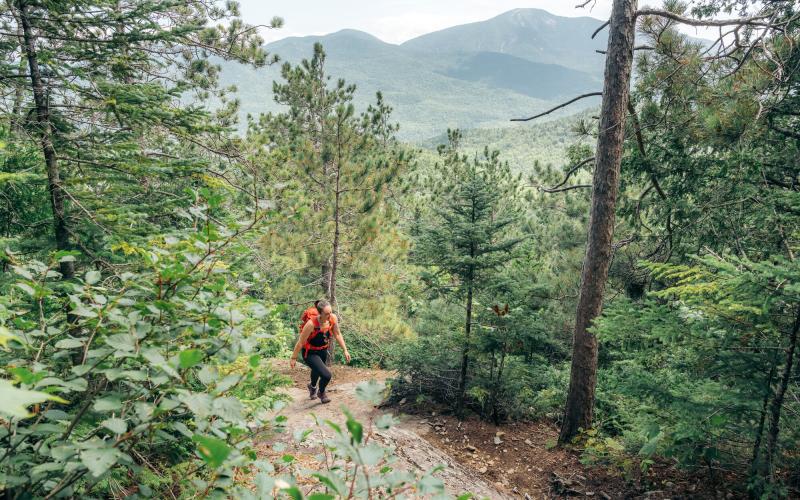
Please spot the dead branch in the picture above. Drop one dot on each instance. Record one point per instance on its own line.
(598, 30)
(568, 188)
(583, 96)
(568, 175)
(743, 21)
(639, 47)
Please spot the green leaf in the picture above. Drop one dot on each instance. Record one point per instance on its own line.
(115, 425)
(68, 344)
(189, 358)
(355, 428)
(294, 492)
(92, 277)
(332, 481)
(371, 454)
(16, 401)
(99, 460)
(212, 450)
(320, 496)
(25, 376)
(112, 403)
(6, 337)
(371, 392)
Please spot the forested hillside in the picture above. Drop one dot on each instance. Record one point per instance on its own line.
(526, 60)
(590, 301)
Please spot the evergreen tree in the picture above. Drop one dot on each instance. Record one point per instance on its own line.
(106, 84)
(469, 232)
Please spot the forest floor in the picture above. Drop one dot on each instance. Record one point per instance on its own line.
(516, 460)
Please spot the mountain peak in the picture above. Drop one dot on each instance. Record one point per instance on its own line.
(532, 34)
(353, 33)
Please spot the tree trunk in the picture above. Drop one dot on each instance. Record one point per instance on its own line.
(16, 118)
(777, 401)
(755, 464)
(45, 131)
(462, 381)
(583, 376)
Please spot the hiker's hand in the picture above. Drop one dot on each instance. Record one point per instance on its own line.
(292, 362)
(347, 356)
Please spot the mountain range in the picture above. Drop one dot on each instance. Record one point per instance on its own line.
(475, 75)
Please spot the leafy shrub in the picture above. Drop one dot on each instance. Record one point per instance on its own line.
(123, 370)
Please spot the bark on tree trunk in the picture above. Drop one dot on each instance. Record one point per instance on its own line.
(462, 381)
(755, 463)
(583, 376)
(16, 119)
(45, 131)
(780, 394)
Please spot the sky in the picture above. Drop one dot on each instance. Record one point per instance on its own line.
(395, 21)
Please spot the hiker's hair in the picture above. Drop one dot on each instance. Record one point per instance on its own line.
(321, 305)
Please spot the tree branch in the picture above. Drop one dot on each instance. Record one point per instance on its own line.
(568, 188)
(743, 21)
(583, 96)
(569, 174)
(598, 30)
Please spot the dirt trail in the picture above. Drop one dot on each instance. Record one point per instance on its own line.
(413, 449)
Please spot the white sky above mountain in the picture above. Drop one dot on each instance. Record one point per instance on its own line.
(394, 21)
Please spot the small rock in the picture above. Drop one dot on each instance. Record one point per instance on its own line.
(497, 440)
(605, 496)
(511, 471)
(483, 470)
(402, 401)
(528, 442)
(470, 448)
(433, 414)
(589, 493)
(669, 484)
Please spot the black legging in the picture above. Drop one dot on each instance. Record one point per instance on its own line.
(319, 371)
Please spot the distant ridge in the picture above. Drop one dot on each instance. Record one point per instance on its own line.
(474, 75)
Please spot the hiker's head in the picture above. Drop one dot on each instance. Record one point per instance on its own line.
(323, 307)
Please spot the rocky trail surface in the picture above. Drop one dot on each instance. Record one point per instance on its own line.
(516, 460)
(413, 449)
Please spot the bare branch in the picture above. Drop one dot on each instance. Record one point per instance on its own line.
(639, 47)
(569, 174)
(583, 96)
(568, 188)
(742, 21)
(598, 30)
(584, 4)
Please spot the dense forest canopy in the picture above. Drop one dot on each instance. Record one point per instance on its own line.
(627, 273)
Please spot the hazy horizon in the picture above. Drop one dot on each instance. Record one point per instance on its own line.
(394, 21)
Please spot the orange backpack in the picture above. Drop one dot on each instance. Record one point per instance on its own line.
(308, 314)
(311, 314)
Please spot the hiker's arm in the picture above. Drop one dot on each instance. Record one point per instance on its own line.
(301, 341)
(340, 340)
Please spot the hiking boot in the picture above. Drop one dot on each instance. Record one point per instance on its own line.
(323, 398)
(312, 392)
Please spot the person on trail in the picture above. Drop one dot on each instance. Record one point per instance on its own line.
(315, 337)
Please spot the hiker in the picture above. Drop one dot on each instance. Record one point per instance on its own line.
(315, 337)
